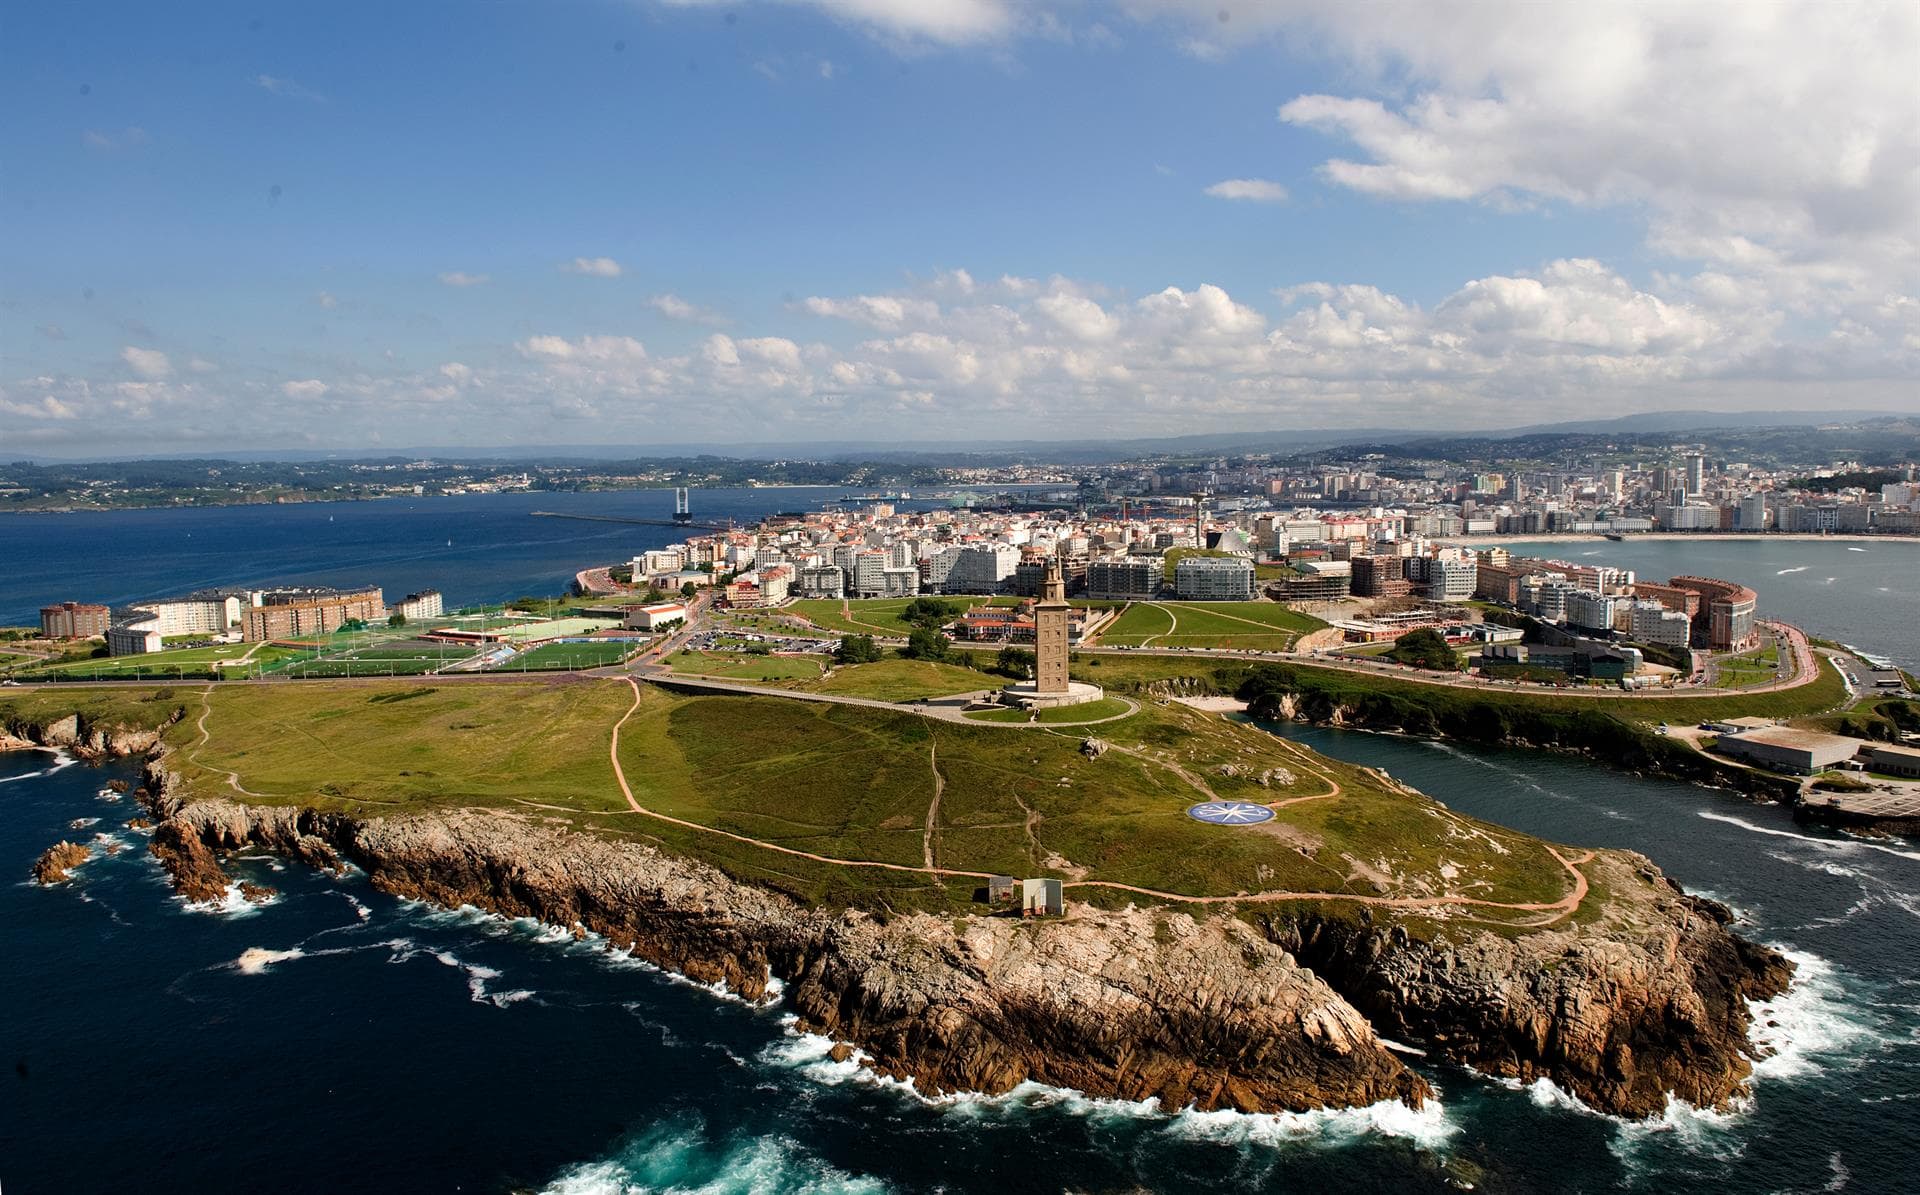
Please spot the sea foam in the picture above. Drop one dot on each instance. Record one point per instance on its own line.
(679, 1156)
(1428, 1127)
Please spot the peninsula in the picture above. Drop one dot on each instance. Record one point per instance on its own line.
(843, 849)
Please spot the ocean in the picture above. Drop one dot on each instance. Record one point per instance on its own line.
(473, 548)
(339, 1038)
(1865, 592)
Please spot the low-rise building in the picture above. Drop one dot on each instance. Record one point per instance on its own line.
(1893, 760)
(656, 616)
(134, 638)
(1781, 749)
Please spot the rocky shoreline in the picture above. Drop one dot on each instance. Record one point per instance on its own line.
(1283, 1014)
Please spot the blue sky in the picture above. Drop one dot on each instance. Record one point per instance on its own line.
(370, 215)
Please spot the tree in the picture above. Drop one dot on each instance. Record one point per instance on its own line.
(688, 590)
(930, 612)
(396, 619)
(1015, 662)
(856, 649)
(927, 643)
(1425, 648)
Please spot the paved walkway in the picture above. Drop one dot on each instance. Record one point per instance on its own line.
(943, 713)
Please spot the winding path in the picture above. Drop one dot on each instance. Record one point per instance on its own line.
(1559, 908)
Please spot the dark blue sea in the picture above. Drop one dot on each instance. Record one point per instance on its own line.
(473, 548)
(337, 1039)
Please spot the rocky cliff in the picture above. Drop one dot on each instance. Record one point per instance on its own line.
(88, 740)
(1126, 1005)
(1649, 1000)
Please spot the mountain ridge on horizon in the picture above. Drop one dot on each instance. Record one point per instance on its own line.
(1109, 449)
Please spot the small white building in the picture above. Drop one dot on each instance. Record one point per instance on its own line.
(135, 638)
(656, 616)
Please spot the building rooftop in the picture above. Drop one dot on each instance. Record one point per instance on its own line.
(1803, 740)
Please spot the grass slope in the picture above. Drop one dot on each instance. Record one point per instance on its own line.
(846, 782)
(1249, 626)
(869, 616)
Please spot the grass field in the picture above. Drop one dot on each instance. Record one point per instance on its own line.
(191, 663)
(563, 656)
(870, 616)
(901, 680)
(1066, 715)
(742, 666)
(1248, 626)
(845, 782)
(1757, 667)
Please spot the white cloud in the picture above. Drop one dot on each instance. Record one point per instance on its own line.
(910, 22)
(1255, 190)
(307, 389)
(885, 312)
(585, 349)
(461, 278)
(282, 86)
(148, 363)
(676, 308)
(323, 299)
(202, 365)
(1780, 139)
(593, 267)
(47, 407)
(130, 137)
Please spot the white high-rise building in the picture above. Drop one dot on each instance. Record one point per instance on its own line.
(1214, 579)
(982, 568)
(1654, 623)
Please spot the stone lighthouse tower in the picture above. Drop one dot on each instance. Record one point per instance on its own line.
(1050, 633)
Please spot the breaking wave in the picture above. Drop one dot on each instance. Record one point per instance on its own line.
(255, 960)
(1428, 1127)
(682, 1156)
(1837, 845)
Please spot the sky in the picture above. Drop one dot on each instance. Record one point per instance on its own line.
(231, 227)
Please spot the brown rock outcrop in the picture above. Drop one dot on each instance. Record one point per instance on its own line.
(55, 865)
(1619, 1013)
(1211, 1015)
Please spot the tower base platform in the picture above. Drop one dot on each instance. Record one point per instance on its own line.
(1025, 696)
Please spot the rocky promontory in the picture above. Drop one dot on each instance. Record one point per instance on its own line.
(1265, 1008)
(1130, 1005)
(1217, 1011)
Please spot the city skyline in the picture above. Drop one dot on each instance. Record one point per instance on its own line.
(662, 223)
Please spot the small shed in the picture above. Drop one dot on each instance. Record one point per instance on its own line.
(1041, 898)
(1000, 890)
